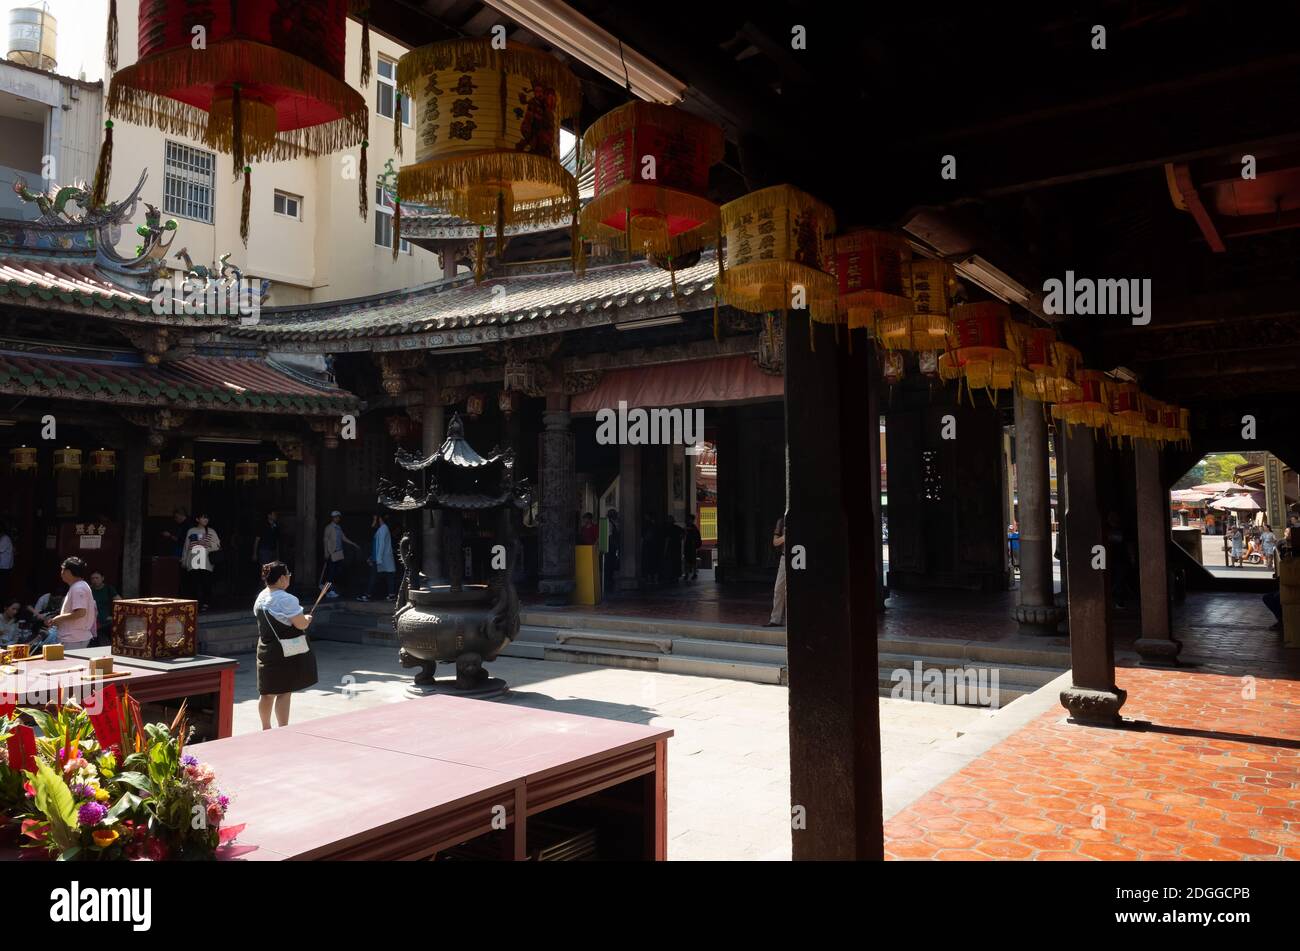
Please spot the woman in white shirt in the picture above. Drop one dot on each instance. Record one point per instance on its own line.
(285, 661)
(200, 545)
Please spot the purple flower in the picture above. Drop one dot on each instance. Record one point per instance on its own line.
(82, 791)
(188, 760)
(91, 813)
(223, 801)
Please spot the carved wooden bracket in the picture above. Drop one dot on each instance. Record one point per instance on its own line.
(582, 381)
(397, 371)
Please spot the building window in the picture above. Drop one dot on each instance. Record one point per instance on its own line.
(288, 205)
(384, 223)
(188, 185)
(386, 93)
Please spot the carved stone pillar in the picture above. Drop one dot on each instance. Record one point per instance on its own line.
(1093, 696)
(558, 481)
(434, 428)
(1035, 610)
(1157, 644)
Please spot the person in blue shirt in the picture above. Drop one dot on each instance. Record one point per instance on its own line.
(1013, 539)
(382, 565)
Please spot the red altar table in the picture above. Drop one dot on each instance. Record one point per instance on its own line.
(409, 780)
(150, 681)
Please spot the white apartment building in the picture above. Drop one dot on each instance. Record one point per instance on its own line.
(305, 233)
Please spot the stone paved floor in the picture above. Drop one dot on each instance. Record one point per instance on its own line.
(728, 761)
(1214, 774)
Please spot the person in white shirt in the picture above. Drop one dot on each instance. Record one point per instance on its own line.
(335, 539)
(201, 544)
(76, 620)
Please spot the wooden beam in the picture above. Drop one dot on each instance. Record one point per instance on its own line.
(1180, 181)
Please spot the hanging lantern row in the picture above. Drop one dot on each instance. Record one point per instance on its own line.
(268, 83)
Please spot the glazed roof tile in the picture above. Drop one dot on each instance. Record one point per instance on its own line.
(500, 301)
(199, 382)
(66, 281)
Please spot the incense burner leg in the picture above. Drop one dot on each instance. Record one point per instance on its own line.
(427, 667)
(469, 671)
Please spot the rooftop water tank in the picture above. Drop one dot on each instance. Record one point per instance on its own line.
(33, 35)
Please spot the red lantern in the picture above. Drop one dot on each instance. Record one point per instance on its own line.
(979, 352)
(267, 83)
(871, 270)
(651, 176)
(1127, 416)
(1088, 404)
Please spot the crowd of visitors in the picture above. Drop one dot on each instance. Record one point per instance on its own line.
(85, 618)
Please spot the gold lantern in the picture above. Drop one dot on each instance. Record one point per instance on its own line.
(67, 460)
(488, 135)
(183, 468)
(778, 254)
(152, 464)
(1044, 366)
(246, 471)
(1127, 418)
(277, 469)
(978, 353)
(1089, 404)
(103, 460)
(930, 287)
(22, 459)
(651, 165)
(871, 275)
(214, 471)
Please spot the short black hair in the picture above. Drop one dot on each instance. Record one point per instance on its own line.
(75, 566)
(273, 571)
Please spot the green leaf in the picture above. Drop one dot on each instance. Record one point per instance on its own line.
(54, 800)
(136, 781)
(125, 806)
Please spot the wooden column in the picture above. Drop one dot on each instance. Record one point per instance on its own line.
(1157, 644)
(309, 556)
(433, 422)
(1035, 610)
(629, 498)
(558, 501)
(831, 608)
(1093, 696)
(874, 385)
(1062, 599)
(132, 487)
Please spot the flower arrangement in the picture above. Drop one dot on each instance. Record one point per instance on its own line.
(106, 786)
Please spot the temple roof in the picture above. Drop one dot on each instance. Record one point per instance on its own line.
(498, 309)
(199, 382)
(68, 281)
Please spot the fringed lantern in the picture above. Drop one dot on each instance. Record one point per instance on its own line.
(1184, 431)
(246, 471)
(891, 366)
(651, 176)
(183, 468)
(22, 459)
(152, 464)
(488, 135)
(1127, 417)
(67, 460)
(267, 82)
(979, 353)
(931, 285)
(1044, 366)
(871, 273)
(102, 461)
(1089, 405)
(277, 469)
(778, 254)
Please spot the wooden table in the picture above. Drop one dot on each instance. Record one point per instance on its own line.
(150, 680)
(407, 780)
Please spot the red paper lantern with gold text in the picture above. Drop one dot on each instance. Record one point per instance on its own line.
(871, 271)
(1089, 405)
(978, 350)
(268, 82)
(651, 165)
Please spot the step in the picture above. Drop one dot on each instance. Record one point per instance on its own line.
(607, 623)
(1008, 673)
(691, 646)
(755, 672)
(615, 641)
(1013, 680)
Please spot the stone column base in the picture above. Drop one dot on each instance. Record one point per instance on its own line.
(1100, 707)
(1040, 620)
(558, 591)
(1158, 650)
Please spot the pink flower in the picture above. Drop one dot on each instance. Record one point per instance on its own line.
(215, 815)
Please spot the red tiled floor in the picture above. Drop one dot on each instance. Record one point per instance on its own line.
(1175, 786)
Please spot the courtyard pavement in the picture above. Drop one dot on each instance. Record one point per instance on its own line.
(728, 760)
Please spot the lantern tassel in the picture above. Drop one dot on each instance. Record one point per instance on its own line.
(397, 226)
(480, 258)
(575, 242)
(363, 184)
(247, 204)
(672, 276)
(365, 46)
(397, 126)
(501, 224)
(104, 168)
(237, 129)
(110, 43)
